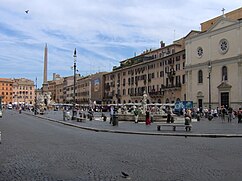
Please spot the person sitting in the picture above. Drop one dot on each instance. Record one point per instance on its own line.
(188, 117)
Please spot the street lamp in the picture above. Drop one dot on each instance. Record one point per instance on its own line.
(209, 89)
(74, 87)
(35, 101)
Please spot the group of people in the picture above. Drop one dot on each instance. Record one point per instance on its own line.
(147, 116)
(224, 112)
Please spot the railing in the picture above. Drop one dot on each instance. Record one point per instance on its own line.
(156, 93)
(136, 94)
(172, 86)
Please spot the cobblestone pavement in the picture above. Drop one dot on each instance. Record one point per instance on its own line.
(36, 149)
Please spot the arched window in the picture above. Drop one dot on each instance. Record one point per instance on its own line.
(224, 73)
(200, 76)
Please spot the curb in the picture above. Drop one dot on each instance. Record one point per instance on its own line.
(205, 135)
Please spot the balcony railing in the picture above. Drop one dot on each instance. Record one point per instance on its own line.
(136, 94)
(156, 93)
(172, 86)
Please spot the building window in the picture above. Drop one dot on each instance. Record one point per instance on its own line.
(199, 52)
(161, 73)
(177, 67)
(223, 46)
(178, 58)
(184, 56)
(124, 92)
(183, 79)
(200, 76)
(224, 73)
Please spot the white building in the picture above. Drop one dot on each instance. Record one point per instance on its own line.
(221, 47)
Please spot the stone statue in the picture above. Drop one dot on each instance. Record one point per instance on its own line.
(144, 103)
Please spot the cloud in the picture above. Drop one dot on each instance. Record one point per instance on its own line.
(104, 32)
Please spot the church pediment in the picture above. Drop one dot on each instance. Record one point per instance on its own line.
(191, 34)
(224, 85)
(221, 23)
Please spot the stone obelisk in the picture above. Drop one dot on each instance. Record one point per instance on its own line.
(45, 82)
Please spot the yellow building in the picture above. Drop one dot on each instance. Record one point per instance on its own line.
(90, 89)
(159, 73)
(54, 86)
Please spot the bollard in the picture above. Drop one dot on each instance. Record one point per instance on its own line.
(90, 117)
(64, 115)
(115, 120)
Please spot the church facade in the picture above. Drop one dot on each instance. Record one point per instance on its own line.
(215, 55)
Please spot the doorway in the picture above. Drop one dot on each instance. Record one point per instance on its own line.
(225, 99)
(200, 103)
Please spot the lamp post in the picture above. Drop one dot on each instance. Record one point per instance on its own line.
(74, 87)
(35, 101)
(209, 88)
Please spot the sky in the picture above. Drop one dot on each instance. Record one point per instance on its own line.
(104, 32)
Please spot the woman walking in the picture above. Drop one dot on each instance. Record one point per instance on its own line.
(147, 118)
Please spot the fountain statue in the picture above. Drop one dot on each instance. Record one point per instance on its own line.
(144, 103)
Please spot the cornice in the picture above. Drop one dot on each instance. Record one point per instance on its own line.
(235, 59)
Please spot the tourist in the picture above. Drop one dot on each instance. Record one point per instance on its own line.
(136, 115)
(215, 113)
(240, 115)
(147, 118)
(111, 114)
(188, 117)
(223, 113)
(230, 116)
(168, 115)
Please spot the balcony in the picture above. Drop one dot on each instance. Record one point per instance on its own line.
(175, 86)
(156, 93)
(136, 94)
(108, 96)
